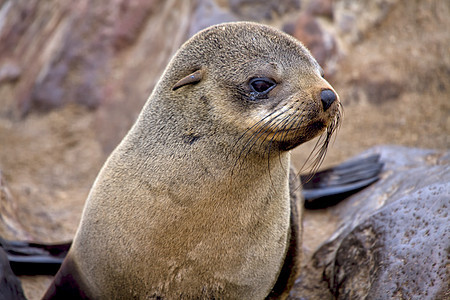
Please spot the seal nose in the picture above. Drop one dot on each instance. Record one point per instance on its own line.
(327, 97)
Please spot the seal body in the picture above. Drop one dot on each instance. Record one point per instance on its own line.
(195, 201)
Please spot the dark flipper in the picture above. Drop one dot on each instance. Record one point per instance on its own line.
(34, 259)
(330, 186)
(10, 286)
(67, 284)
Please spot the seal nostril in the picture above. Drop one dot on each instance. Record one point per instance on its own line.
(327, 97)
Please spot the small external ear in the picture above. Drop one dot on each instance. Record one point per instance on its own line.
(190, 79)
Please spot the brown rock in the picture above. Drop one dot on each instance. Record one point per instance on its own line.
(9, 71)
(375, 91)
(393, 241)
(321, 8)
(262, 10)
(73, 48)
(354, 19)
(68, 53)
(319, 41)
(130, 20)
(10, 225)
(208, 13)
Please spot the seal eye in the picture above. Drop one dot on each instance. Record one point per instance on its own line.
(262, 85)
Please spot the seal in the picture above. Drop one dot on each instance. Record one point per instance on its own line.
(198, 201)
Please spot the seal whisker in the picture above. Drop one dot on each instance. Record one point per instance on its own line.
(284, 120)
(254, 138)
(257, 124)
(261, 129)
(284, 130)
(295, 122)
(279, 131)
(289, 122)
(266, 129)
(321, 147)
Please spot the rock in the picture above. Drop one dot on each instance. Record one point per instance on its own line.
(321, 8)
(10, 225)
(354, 19)
(130, 19)
(262, 10)
(61, 49)
(369, 89)
(394, 238)
(77, 54)
(208, 13)
(9, 71)
(400, 252)
(74, 44)
(317, 39)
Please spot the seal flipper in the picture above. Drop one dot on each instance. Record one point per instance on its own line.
(10, 286)
(328, 187)
(34, 258)
(67, 284)
(291, 266)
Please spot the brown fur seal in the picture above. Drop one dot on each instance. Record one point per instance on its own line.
(195, 202)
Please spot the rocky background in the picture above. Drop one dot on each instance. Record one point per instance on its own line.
(75, 74)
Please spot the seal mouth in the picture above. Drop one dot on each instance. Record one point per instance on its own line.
(313, 129)
(321, 147)
(285, 128)
(293, 137)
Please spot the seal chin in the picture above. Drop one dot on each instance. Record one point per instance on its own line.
(316, 128)
(300, 136)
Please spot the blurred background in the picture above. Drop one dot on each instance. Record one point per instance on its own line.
(75, 74)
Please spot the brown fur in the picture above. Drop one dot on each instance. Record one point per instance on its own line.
(195, 202)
